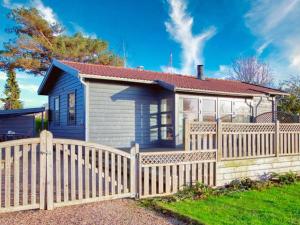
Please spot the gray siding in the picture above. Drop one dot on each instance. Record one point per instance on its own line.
(20, 124)
(65, 84)
(120, 114)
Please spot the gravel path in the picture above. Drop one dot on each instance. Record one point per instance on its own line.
(122, 211)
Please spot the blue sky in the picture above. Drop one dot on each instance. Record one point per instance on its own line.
(195, 31)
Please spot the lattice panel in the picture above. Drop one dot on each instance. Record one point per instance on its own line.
(201, 127)
(247, 128)
(180, 157)
(290, 127)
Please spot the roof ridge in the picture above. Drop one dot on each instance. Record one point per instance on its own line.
(134, 69)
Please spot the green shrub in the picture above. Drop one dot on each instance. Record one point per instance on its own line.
(201, 191)
(287, 178)
(38, 125)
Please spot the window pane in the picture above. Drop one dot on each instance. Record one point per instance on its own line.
(190, 105)
(167, 133)
(56, 110)
(209, 106)
(166, 105)
(71, 109)
(225, 107)
(209, 117)
(166, 119)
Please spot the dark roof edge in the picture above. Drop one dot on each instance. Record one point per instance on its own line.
(19, 112)
(60, 65)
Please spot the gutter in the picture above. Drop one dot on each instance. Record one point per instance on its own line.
(86, 105)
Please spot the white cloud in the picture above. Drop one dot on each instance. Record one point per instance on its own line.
(80, 29)
(277, 24)
(46, 12)
(29, 87)
(180, 29)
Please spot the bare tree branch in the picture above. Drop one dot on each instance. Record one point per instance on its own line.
(251, 70)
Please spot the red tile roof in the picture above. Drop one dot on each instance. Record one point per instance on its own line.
(175, 80)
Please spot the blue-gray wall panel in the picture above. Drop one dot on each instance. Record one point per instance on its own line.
(65, 84)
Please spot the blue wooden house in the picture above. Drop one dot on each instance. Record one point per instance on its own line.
(117, 106)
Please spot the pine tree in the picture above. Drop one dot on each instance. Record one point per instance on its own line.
(12, 91)
(36, 42)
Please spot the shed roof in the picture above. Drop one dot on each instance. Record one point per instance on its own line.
(20, 112)
(175, 82)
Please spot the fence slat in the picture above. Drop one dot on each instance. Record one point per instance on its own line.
(174, 179)
(100, 166)
(66, 173)
(113, 174)
(153, 180)
(119, 170)
(58, 172)
(168, 180)
(87, 172)
(25, 174)
(181, 176)
(125, 174)
(16, 176)
(7, 177)
(33, 173)
(73, 172)
(106, 174)
(160, 179)
(146, 181)
(93, 173)
(80, 175)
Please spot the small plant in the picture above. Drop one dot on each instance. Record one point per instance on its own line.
(287, 178)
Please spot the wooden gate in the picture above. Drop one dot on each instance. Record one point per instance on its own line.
(46, 173)
(22, 174)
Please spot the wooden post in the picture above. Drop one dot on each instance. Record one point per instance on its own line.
(187, 135)
(134, 169)
(219, 140)
(43, 150)
(49, 156)
(276, 139)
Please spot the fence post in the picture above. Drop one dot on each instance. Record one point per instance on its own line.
(277, 124)
(43, 150)
(134, 170)
(49, 156)
(219, 140)
(187, 141)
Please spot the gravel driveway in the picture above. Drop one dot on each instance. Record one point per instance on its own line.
(122, 211)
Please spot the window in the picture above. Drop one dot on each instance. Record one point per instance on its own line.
(71, 109)
(56, 110)
(225, 110)
(209, 110)
(241, 112)
(166, 119)
(191, 108)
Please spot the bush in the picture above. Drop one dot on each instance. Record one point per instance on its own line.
(38, 125)
(287, 178)
(201, 191)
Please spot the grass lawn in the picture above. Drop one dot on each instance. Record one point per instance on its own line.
(277, 205)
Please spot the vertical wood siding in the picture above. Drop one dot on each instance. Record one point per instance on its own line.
(65, 84)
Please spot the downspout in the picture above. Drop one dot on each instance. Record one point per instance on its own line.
(274, 107)
(86, 105)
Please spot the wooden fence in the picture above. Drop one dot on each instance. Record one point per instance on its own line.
(164, 173)
(243, 140)
(47, 172)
